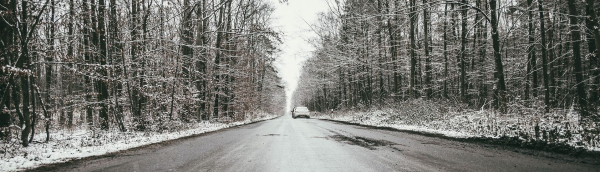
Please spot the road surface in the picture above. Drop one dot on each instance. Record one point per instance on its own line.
(286, 144)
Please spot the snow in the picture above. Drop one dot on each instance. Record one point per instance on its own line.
(69, 145)
(380, 121)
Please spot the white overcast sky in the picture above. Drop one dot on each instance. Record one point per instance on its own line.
(291, 19)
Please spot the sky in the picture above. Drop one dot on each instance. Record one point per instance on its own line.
(293, 19)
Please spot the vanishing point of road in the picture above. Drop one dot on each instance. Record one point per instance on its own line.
(286, 144)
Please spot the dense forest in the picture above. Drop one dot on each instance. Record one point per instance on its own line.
(132, 64)
(503, 56)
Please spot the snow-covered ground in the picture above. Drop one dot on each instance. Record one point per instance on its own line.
(68, 145)
(558, 127)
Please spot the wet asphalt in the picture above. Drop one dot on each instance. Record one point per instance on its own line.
(286, 144)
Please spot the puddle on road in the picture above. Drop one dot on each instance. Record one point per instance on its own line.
(362, 141)
(273, 135)
(318, 137)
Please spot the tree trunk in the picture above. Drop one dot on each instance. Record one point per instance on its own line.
(426, 41)
(576, 41)
(482, 33)
(445, 89)
(413, 55)
(186, 48)
(393, 54)
(89, 118)
(202, 40)
(463, 45)
(44, 110)
(593, 26)
(17, 100)
(70, 54)
(499, 73)
(544, 58)
(135, 92)
(7, 50)
(531, 67)
(102, 86)
(217, 69)
(23, 63)
(49, 59)
(116, 51)
(34, 115)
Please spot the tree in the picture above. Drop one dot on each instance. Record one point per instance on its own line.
(544, 58)
(7, 50)
(445, 40)
(136, 95)
(594, 50)
(426, 41)
(531, 65)
(88, 59)
(49, 59)
(462, 63)
(115, 52)
(23, 63)
(202, 40)
(218, 77)
(99, 84)
(102, 86)
(499, 73)
(576, 38)
(413, 55)
(70, 54)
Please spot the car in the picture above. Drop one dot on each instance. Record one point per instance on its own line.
(300, 111)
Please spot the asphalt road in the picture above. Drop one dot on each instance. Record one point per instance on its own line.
(286, 144)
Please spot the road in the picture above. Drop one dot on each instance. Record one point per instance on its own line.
(286, 144)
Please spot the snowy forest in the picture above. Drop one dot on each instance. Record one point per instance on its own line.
(135, 65)
(82, 78)
(527, 69)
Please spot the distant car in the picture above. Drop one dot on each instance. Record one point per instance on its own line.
(300, 111)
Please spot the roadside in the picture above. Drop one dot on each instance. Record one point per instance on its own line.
(78, 144)
(287, 144)
(580, 156)
(557, 132)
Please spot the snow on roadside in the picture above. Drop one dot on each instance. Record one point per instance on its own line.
(69, 145)
(556, 127)
(379, 120)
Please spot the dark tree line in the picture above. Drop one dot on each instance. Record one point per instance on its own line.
(135, 64)
(483, 53)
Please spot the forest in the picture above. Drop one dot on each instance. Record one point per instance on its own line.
(89, 75)
(533, 64)
(133, 65)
